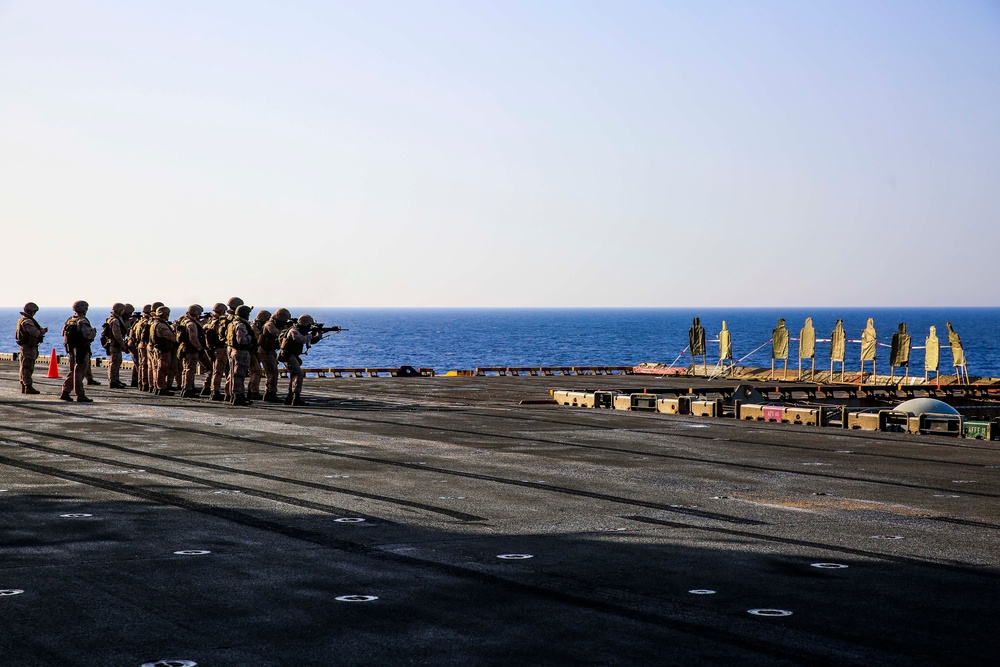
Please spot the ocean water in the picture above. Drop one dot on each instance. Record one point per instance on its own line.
(451, 339)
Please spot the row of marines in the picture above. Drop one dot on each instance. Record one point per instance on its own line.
(234, 351)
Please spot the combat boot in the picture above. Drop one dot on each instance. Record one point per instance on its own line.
(241, 399)
(117, 385)
(190, 393)
(65, 396)
(218, 396)
(92, 381)
(271, 397)
(289, 398)
(163, 392)
(206, 390)
(28, 389)
(84, 399)
(298, 400)
(134, 383)
(255, 396)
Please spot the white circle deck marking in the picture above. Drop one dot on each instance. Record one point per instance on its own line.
(357, 598)
(702, 591)
(350, 519)
(226, 492)
(946, 495)
(451, 497)
(75, 516)
(192, 552)
(888, 537)
(171, 663)
(769, 612)
(963, 481)
(6, 592)
(829, 566)
(515, 556)
(336, 476)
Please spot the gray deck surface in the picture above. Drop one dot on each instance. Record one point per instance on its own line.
(623, 515)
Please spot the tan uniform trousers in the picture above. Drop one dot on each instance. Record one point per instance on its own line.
(29, 353)
(76, 378)
(239, 368)
(220, 366)
(178, 376)
(164, 368)
(253, 386)
(190, 360)
(269, 361)
(152, 364)
(141, 365)
(114, 363)
(133, 351)
(229, 371)
(295, 374)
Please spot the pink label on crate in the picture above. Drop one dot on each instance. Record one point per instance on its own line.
(774, 414)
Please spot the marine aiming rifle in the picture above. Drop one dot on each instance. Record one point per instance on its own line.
(316, 328)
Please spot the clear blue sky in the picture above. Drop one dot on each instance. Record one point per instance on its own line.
(501, 154)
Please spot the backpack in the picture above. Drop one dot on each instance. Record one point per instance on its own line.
(106, 338)
(183, 336)
(215, 331)
(290, 346)
(71, 333)
(19, 335)
(161, 344)
(143, 330)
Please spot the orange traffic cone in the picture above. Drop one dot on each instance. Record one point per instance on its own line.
(53, 365)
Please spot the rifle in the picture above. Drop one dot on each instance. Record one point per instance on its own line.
(315, 328)
(322, 329)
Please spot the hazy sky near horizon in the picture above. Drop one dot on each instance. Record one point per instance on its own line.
(470, 153)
